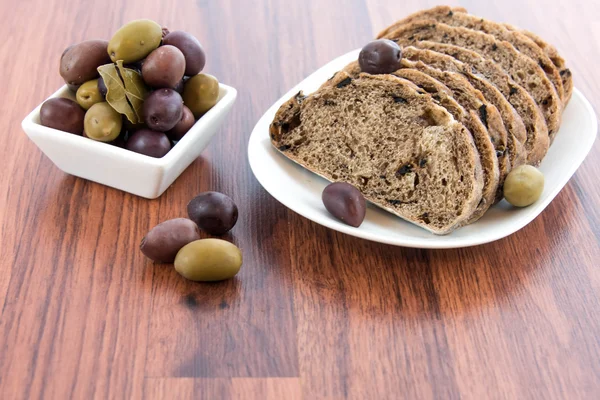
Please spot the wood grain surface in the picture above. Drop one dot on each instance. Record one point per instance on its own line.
(314, 314)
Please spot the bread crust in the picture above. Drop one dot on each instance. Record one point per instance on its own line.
(555, 57)
(521, 68)
(455, 17)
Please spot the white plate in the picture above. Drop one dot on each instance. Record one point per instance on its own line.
(300, 190)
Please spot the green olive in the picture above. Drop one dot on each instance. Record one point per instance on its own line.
(88, 94)
(102, 122)
(201, 93)
(208, 260)
(523, 186)
(134, 41)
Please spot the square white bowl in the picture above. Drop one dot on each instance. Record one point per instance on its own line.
(120, 168)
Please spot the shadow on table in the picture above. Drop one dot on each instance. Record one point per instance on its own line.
(376, 279)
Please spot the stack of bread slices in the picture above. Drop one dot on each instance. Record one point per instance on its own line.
(433, 141)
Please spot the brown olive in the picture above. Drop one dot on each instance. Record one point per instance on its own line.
(345, 202)
(191, 49)
(162, 109)
(102, 87)
(183, 126)
(79, 62)
(163, 241)
(213, 212)
(62, 114)
(164, 67)
(149, 142)
(380, 57)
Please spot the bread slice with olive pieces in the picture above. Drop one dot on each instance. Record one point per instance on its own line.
(490, 141)
(521, 68)
(515, 128)
(554, 56)
(471, 119)
(388, 138)
(479, 70)
(491, 125)
(454, 17)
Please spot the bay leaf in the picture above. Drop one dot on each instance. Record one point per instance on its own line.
(115, 92)
(135, 89)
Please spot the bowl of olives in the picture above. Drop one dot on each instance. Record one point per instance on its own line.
(134, 112)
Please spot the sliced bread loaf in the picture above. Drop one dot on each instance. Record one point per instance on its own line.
(404, 152)
(521, 68)
(522, 43)
(554, 56)
(477, 69)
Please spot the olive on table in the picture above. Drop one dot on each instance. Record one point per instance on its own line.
(102, 122)
(164, 67)
(523, 186)
(164, 241)
(78, 62)
(345, 202)
(183, 126)
(213, 212)
(208, 260)
(162, 109)
(195, 58)
(201, 93)
(62, 114)
(381, 56)
(149, 142)
(134, 41)
(88, 94)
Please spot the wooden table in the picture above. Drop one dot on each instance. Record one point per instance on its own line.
(314, 314)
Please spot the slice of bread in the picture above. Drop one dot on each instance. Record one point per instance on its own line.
(491, 141)
(522, 43)
(471, 119)
(477, 68)
(521, 68)
(517, 133)
(487, 130)
(404, 152)
(554, 56)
